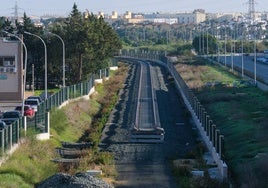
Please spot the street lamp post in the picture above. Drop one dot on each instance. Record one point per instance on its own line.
(225, 60)
(203, 40)
(63, 57)
(199, 30)
(232, 53)
(25, 68)
(255, 62)
(217, 45)
(242, 55)
(45, 60)
(207, 41)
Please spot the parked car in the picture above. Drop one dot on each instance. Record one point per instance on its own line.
(10, 116)
(34, 103)
(28, 110)
(2, 124)
(262, 59)
(36, 97)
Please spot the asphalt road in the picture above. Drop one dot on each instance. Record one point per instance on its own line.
(148, 165)
(261, 68)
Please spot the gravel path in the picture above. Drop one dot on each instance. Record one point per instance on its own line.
(148, 165)
(79, 180)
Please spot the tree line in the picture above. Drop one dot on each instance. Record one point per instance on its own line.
(89, 41)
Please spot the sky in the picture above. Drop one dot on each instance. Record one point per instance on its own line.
(64, 7)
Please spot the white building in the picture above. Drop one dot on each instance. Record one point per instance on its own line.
(127, 15)
(191, 18)
(114, 15)
(169, 21)
(174, 18)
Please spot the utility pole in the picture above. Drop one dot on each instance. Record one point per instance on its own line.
(251, 10)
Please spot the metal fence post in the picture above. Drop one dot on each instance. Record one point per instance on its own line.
(2, 141)
(10, 136)
(213, 134)
(207, 122)
(217, 140)
(221, 146)
(46, 122)
(18, 132)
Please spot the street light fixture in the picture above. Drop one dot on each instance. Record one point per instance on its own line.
(63, 57)
(25, 68)
(45, 59)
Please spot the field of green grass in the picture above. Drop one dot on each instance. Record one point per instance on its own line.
(240, 111)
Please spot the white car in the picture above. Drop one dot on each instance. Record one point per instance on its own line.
(35, 97)
(34, 103)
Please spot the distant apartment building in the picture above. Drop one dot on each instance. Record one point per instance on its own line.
(114, 15)
(177, 18)
(226, 17)
(167, 18)
(191, 18)
(169, 21)
(11, 85)
(133, 18)
(127, 15)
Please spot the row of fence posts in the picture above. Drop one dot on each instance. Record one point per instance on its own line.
(213, 134)
(10, 135)
(209, 129)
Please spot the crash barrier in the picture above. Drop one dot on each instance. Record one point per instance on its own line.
(211, 135)
(10, 135)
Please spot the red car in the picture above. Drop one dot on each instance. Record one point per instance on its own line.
(28, 110)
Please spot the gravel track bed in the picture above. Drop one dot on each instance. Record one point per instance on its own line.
(141, 164)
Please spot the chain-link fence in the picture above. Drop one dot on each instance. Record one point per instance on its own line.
(11, 134)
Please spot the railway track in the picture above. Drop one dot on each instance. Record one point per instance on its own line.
(146, 127)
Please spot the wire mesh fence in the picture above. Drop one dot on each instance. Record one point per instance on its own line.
(11, 134)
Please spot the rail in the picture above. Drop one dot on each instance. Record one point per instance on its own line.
(147, 125)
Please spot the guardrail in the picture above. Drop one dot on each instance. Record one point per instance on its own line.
(211, 135)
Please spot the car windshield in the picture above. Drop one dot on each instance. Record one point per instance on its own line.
(11, 115)
(33, 102)
(35, 97)
(19, 108)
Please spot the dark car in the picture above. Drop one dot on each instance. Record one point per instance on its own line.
(2, 124)
(11, 116)
(28, 110)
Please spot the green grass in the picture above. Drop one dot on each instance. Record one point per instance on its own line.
(31, 162)
(28, 165)
(240, 112)
(39, 92)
